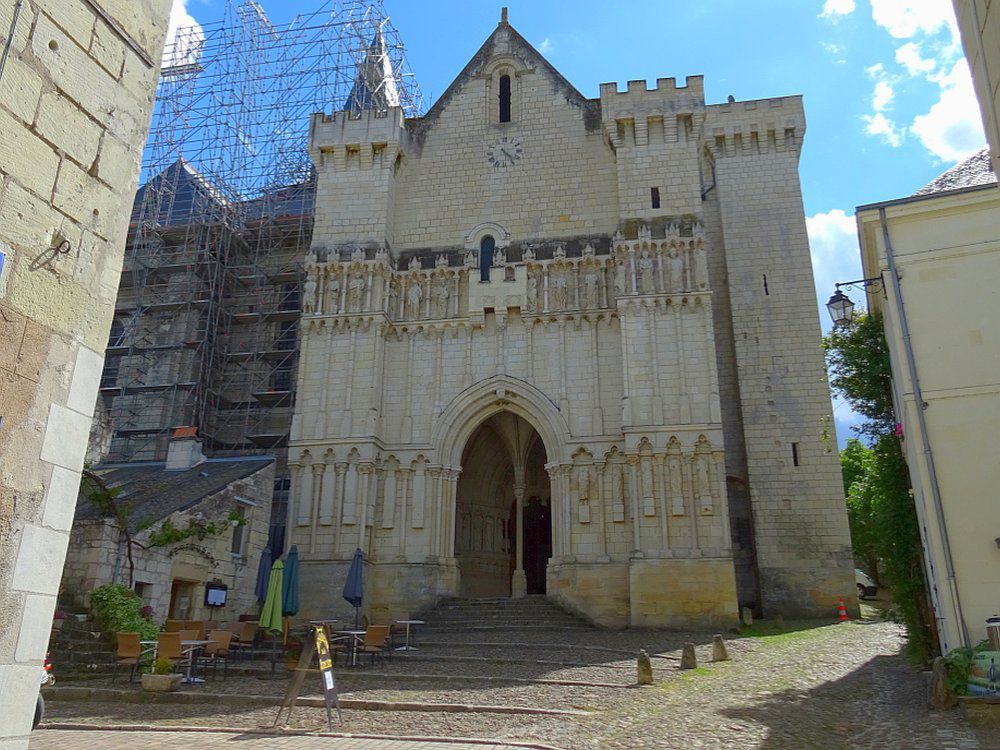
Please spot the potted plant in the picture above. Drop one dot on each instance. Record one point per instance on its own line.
(161, 678)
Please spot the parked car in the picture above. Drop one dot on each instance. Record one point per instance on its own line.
(47, 678)
(866, 586)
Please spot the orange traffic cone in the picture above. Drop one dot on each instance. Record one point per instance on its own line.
(842, 613)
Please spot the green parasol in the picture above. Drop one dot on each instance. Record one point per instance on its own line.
(270, 613)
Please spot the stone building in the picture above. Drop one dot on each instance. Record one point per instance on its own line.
(76, 87)
(193, 521)
(938, 255)
(576, 353)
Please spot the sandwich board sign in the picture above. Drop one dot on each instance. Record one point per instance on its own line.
(317, 645)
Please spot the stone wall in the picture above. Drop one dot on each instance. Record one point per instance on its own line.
(803, 545)
(75, 98)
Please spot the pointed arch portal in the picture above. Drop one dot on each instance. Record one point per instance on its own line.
(503, 529)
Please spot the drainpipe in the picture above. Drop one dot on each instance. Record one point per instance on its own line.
(10, 35)
(911, 364)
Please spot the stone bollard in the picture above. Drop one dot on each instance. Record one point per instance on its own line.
(941, 698)
(688, 658)
(644, 668)
(746, 617)
(719, 650)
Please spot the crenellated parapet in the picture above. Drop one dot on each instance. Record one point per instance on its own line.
(640, 116)
(367, 136)
(762, 126)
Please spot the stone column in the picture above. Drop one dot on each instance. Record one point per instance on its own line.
(404, 521)
(316, 495)
(633, 491)
(519, 581)
(340, 470)
(435, 508)
(294, 472)
(367, 474)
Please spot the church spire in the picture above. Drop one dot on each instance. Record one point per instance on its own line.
(375, 85)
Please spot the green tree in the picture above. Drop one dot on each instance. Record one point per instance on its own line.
(883, 518)
(856, 465)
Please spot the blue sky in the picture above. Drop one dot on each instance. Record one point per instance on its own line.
(889, 102)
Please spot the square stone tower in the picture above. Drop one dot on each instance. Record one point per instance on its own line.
(567, 346)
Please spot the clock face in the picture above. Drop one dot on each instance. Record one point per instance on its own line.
(506, 152)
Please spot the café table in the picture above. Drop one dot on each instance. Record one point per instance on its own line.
(189, 648)
(408, 623)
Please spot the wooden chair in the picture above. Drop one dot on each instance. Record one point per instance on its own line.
(168, 646)
(190, 635)
(173, 626)
(376, 642)
(245, 638)
(217, 650)
(128, 654)
(211, 625)
(198, 626)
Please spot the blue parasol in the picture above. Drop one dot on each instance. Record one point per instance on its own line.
(290, 584)
(263, 575)
(354, 585)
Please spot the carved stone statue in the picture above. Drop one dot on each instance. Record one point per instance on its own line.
(382, 255)
(675, 271)
(620, 279)
(588, 251)
(441, 261)
(499, 257)
(529, 253)
(440, 295)
(358, 254)
(583, 482)
(414, 296)
(646, 473)
(470, 259)
(332, 301)
(703, 468)
(310, 258)
(560, 290)
(675, 481)
(647, 280)
(531, 303)
(560, 252)
(414, 264)
(309, 295)
(700, 267)
(591, 298)
(356, 292)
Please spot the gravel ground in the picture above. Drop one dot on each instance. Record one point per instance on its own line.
(839, 687)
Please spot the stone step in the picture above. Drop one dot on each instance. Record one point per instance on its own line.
(512, 629)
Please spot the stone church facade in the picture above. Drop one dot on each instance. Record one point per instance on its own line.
(569, 346)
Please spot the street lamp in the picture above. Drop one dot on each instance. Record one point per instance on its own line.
(840, 306)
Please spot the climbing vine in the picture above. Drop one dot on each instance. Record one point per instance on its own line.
(197, 528)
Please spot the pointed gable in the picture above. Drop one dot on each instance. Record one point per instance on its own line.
(505, 41)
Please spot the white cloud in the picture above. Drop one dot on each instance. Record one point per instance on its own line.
(184, 37)
(952, 129)
(910, 57)
(880, 125)
(836, 51)
(883, 96)
(906, 18)
(836, 8)
(546, 46)
(833, 245)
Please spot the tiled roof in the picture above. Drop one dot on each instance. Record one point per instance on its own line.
(974, 171)
(154, 493)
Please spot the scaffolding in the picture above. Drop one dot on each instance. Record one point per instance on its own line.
(205, 331)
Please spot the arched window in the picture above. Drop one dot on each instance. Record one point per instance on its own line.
(504, 98)
(486, 248)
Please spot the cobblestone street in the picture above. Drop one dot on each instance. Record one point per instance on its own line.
(836, 687)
